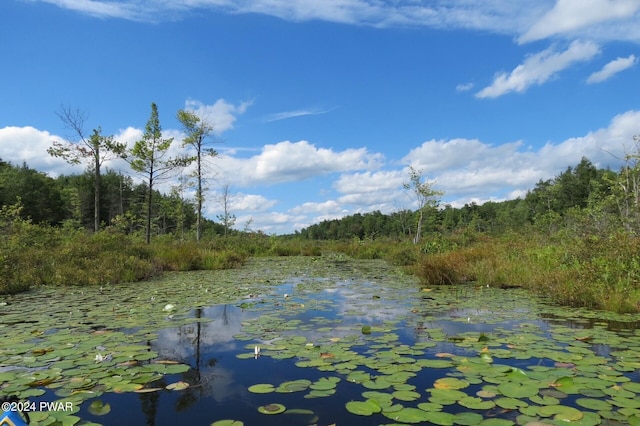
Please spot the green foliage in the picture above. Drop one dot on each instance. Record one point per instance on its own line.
(149, 158)
(40, 197)
(34, 255)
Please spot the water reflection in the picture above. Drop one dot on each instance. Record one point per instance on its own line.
(327, 311)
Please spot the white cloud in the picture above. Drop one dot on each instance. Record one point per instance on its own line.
(470, 168)
(539, 68)
(326, 207)
(568, 16)
(612, 68)
(100, 9)
(292, 114)
(294, 161)
(221, 115)
(464, 87)
(436, 156)
(250, 202)
(538, 19)
(358, 183)
(27, 144)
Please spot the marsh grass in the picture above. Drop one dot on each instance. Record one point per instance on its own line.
(593, 272)
(35, 255)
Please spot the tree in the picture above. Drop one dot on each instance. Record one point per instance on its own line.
(425, 196)
(149, 157)
(39, 196)
(197, 131)
(227, 218)
(93, 150)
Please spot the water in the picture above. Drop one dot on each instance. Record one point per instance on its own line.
(301, 318)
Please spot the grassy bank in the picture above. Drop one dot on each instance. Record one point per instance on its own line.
(35, 255)
(594, 272)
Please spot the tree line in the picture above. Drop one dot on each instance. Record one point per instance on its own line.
(583, 198)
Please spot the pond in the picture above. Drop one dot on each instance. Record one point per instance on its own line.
(315, 340)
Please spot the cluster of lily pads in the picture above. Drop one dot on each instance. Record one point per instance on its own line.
(454, 355)
(519, 369)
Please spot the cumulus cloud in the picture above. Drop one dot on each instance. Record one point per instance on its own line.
(466, 168)
(326, 207)
(27, 144)
(294, 161)
(612, 68)
(221, 115)
(569, 16)
(538, 68)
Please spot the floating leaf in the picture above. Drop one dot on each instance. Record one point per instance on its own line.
(467, 419)
(413, 415)
(363, 408)
(262, 388)
(518, 390)
(99, 408)
(177, 386)
(476, 403)
(450, 383)
(406, 395)
(593, 404)
(272, 409)
(560, 412)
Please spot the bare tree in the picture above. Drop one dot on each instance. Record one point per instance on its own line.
(93, 150)
(424, 195)
(197, 131)
(227, 218)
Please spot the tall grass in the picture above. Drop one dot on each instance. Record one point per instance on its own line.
(34, 255)
(594, 272)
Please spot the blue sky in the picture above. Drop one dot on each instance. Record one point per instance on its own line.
(320, 106)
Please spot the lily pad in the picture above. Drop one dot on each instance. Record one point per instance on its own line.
(99, 408)
(272, 409)
(560, 412)
(363, 408)
(262, 388)
(177, 386)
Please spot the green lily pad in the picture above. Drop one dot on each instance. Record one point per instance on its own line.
(467, 419)
(99, 408)
(594, 404)
(272, 409)
(363, 408)
(450, 383)
(560, 412)
(177, 386)
(518, 390)
(294, 386)
(413, 415)
(406, 395)
(476, 403)
(262, 388)
(227, 423)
